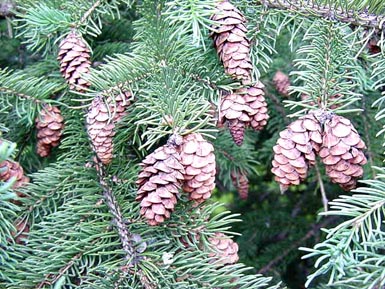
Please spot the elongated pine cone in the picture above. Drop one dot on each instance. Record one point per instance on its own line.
(9, 169)
(296, 150)
(101, 120)
(281, 83)
(342, 152)
(241, 183)
(254, 97)
(235, 112)
(49, 125)
(226, 249)
(159, 182)
(231, 43)
(198, 159)
(74, 58)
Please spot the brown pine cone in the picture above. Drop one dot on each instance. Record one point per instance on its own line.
(235, 112)
(255, 99)
(159, 182)
(9, 169)
(281, 82)
(226, 250)
(74, 58)
(241, 183)
(198, 159)
(342, 152)
(101, 119)
(49, 125)
(230, 41)
(295, 150)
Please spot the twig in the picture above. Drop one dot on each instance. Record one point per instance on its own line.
(88, 12)
(325, 200)
(309, 234)
(328, 11)
(114, 208)
(21, 95)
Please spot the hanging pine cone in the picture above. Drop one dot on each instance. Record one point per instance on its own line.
(342, 152)
(101, 119)
(254, 97)
(226, 249)
(9, 169)
(231, 43)
(295, 150)
(241, 183)
(235, 112)
(281, 83)
(74, 58)
(159, 182)
(49, 125)
(198, 159)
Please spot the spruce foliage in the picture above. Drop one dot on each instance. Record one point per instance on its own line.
(76, 224)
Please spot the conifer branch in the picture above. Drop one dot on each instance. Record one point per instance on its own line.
(89, 12)
(114, 209)
(327, 11)
(21, 95)
(312, 232)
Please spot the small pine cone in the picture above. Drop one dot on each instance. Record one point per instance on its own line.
(295, 150)
(159, 182)
(281, 82)
(241, 183)
(49, 125)
(198, 159)
(100, 126)
(230, 41)
(257, 106)
(9, 169)
(226, 249)
(235, 111)
(342, 152)
(74, 58)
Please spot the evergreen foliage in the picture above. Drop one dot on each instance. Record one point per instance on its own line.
(84, 225)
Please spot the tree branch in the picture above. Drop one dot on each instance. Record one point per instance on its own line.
(114, 209)
(21, 95)
(89, 11)
(315, 228)
(327, 11)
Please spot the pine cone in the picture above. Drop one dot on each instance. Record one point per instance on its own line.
(226, 249)
(101, 125)
(198, 159)
(257, 107)
(241, 183)
(235, 112)
(231, 43)
(295, 150)
(74, 57)
(9, 169)
(281, 82)
(342, 152)
(159, 182)
(49, 126)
